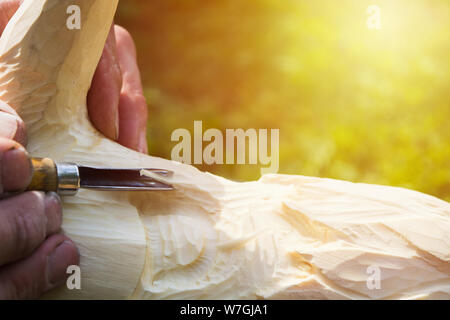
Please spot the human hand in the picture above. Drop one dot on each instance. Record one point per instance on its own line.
(33, 256)
(116, 101)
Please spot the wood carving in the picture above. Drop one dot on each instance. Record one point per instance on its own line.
(280, 237)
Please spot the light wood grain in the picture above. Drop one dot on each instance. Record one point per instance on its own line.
(280, 237)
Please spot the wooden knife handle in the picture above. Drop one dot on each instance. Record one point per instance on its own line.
(45, 175)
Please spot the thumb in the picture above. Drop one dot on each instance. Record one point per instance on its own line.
(44, 270)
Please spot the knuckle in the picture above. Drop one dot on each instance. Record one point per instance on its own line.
(29, 233)
(136, 101)
(23, 225)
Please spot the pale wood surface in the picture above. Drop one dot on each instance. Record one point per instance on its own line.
(279, 237)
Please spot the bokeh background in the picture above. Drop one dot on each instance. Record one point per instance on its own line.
(351, 103)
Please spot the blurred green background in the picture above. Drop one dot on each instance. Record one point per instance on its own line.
(351, 103)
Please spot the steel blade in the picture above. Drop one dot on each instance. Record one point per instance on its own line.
(115, 179)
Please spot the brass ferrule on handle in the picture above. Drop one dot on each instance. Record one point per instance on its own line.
(62, 178)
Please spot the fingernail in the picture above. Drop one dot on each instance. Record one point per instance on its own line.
(16, 169)
(63, 256)
(9, 125)
(53, 211)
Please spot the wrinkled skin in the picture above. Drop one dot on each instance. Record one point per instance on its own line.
(34, 256)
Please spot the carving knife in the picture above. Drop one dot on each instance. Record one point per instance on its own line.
(67, 178)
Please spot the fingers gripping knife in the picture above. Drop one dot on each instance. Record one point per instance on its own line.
(67, 178)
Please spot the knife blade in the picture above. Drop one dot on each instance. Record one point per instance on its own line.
(67, 178)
